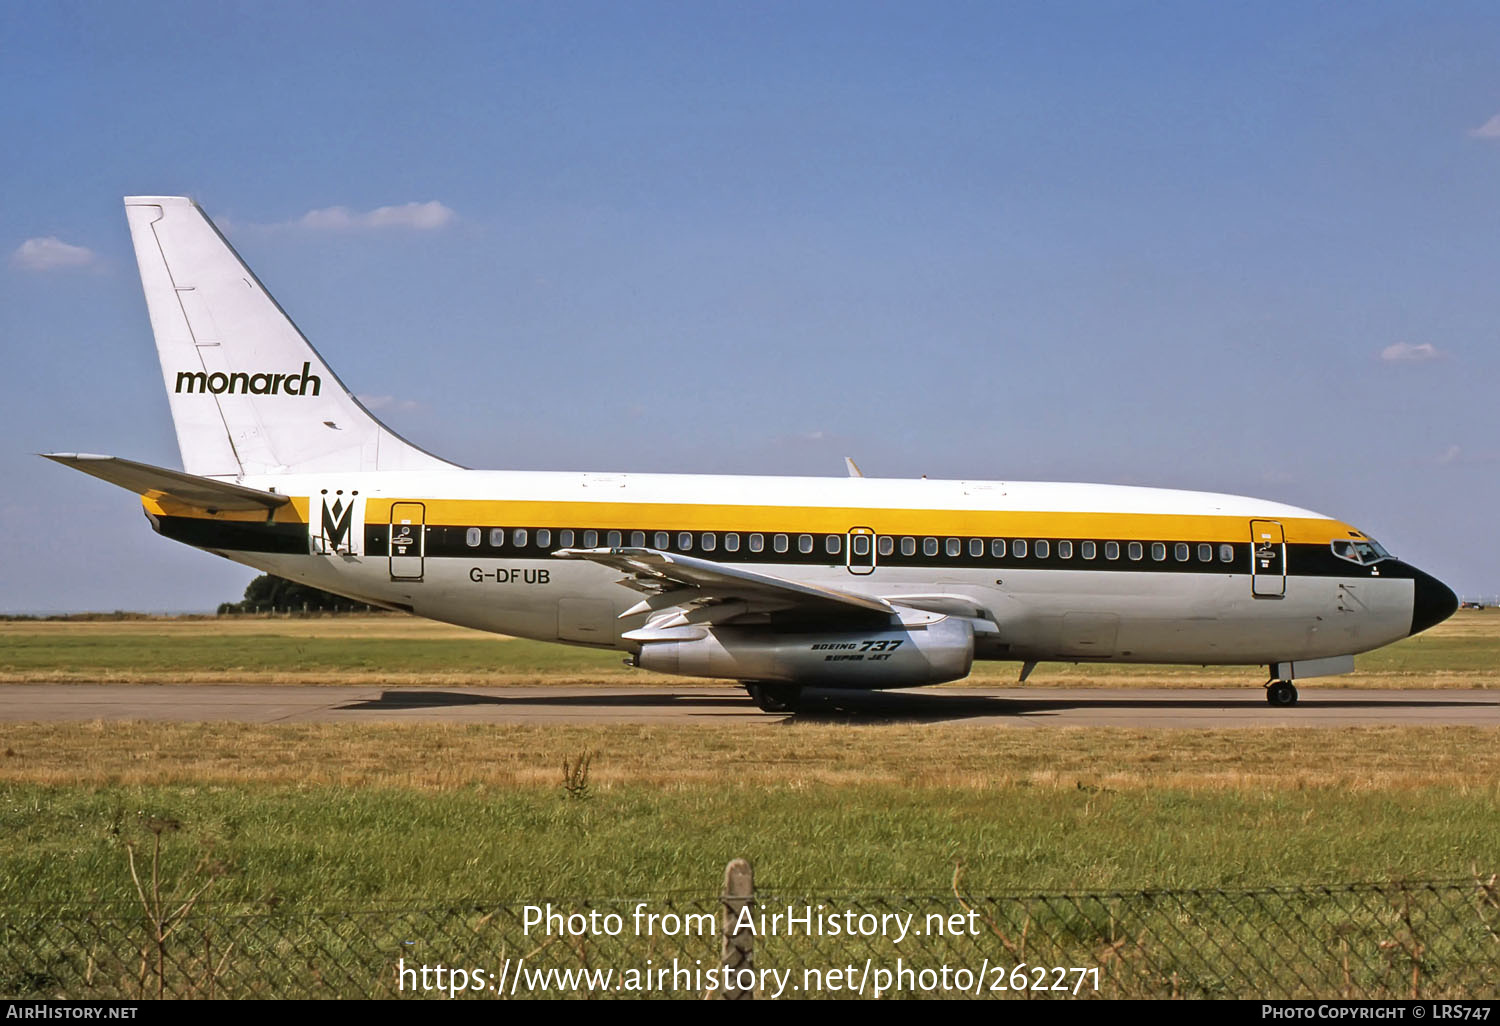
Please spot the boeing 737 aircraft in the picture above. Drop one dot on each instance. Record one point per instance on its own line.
(777, 582)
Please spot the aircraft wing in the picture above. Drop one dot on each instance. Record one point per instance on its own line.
(159, 482)
(687, 590)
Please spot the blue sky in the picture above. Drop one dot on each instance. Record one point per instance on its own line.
(1238, 247)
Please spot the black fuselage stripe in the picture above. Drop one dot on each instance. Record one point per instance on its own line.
(450, 542)
(445, 541)
(235, 535)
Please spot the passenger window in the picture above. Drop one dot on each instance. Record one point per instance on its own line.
(976, 547)
(1086, 550)
(518, 536)
(731, 542)
(1205, 553)
(472, 537)
(1043, 549)
(831, 545)
(908, 546)
(1135, 550)
(565, 539)
(1226, 553)
(497, 537)
(638, 538)
(612, 540)
(1018, 548)
(543, 538)
(929, 546)
(779, 543)
(684, 540)
(804, 543)
(886, 545)
(955, 547)
(709, 543)
(860, 545)
(1064, 550)
(1158, 551)
(1111, 550)
(757, 542)
(661, 540)
(590, 539)
(1182, 552)
(997, 548)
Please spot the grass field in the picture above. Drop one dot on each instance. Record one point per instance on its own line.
(395, 649)
(381, 814)
(399, 813)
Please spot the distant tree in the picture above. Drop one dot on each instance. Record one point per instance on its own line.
(269, 592)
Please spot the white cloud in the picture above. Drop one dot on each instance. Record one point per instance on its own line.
(419, 216)
(1489, 130)
(1405, 352)
(388, 402)
(1456, 456)
(50, 254)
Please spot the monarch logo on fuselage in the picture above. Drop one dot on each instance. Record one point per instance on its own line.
(219, 383)
(336, 522)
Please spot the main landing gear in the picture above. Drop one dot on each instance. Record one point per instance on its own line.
(775, 698)
(1281, 692)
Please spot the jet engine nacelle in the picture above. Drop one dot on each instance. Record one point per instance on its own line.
(881, 657)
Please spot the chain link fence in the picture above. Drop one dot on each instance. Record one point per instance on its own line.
(1432, 939)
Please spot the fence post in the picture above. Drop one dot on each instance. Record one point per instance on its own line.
(739, 943)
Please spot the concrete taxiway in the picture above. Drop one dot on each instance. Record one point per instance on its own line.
(995, 707)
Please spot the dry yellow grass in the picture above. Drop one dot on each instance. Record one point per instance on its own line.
(448, 757)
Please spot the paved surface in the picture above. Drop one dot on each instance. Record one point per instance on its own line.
(1016, 707)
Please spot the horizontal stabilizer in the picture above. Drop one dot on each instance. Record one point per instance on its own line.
(159, 482)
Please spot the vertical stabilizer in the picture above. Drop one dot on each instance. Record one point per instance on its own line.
(248, 392)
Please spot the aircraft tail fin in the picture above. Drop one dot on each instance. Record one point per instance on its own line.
(249, 394)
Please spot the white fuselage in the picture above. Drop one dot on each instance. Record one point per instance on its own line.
(1136, 606)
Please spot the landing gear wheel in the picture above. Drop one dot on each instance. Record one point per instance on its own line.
(775, 698)
(1281, 692)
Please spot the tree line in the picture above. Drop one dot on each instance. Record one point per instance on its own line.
(271, 594)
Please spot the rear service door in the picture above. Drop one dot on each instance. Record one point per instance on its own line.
(1267, 559)
(408, 540)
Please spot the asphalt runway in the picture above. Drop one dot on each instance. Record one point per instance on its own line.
(994, 707)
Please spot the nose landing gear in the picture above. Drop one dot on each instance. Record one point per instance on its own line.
(1281, 692)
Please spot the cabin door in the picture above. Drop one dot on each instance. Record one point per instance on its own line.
(408, 540)
(1267, 559)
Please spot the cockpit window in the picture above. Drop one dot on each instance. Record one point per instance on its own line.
(1362, 552)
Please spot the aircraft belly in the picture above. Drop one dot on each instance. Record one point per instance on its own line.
(1043, 615)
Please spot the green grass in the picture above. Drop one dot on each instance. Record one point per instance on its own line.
(111, 654)
(1464, 651)
(328, 846)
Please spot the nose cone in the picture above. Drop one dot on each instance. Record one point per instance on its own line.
(1432, 601)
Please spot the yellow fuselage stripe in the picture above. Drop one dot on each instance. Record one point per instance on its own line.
(627, 516)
